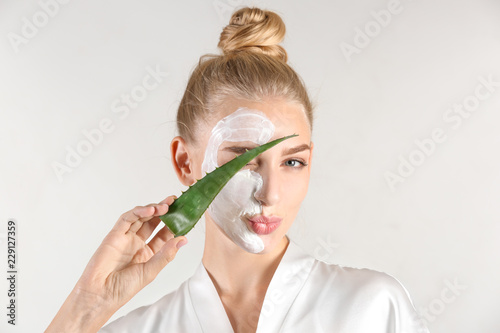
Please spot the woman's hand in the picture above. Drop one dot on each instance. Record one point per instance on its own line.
(122, 265)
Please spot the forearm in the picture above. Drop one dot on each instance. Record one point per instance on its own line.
(81, 313)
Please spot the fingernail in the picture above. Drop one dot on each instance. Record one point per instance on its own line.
(182, 243)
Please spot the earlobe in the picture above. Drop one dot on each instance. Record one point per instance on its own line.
(181, 161)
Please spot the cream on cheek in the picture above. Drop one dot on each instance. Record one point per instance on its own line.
(237, 200)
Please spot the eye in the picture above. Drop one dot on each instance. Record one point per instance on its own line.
(251, 164)
(295, 163)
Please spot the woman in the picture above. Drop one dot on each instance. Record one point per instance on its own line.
(252, 277)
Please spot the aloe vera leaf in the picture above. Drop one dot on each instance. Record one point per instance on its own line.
(186, 210)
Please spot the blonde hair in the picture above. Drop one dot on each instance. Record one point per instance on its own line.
(252, 66)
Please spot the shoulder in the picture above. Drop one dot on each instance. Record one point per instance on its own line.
(339, 279)
(360, 282)
(365, 293)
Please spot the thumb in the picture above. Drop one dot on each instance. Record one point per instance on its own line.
(161, 258)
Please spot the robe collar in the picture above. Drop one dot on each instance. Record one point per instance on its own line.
(288, 279)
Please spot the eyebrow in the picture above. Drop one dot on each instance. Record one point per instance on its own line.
(294, 150)
(289, 151)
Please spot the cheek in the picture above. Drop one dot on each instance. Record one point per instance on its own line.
(295, 189)
(238, 194)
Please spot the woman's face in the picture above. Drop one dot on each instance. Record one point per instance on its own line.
(257, 207)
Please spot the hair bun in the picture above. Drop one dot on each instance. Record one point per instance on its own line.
(255, 30)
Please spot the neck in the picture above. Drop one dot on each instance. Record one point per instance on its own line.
(235, 271)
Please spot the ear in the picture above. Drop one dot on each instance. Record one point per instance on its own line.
(181, 161)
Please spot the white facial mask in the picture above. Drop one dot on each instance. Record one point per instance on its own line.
(237, 199)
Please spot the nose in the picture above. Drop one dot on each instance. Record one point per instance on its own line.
(269, 193)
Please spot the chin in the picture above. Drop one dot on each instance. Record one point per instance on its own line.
(270, 243)
(249, 247)
(256, 244)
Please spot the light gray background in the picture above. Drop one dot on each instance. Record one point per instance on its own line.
(438, 227)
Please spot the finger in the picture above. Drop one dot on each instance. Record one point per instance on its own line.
(167, 253)
(169, 200)
(135, 226)
(138, 214)
(160, 209)
(148, 227)
(159, 240)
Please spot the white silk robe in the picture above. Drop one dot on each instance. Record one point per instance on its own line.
(305, 295)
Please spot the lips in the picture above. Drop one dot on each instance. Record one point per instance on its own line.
(264, 225)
